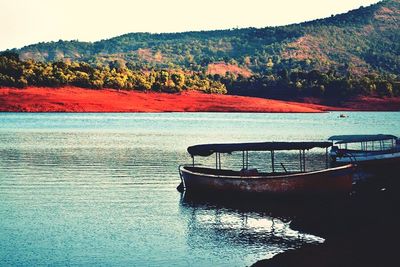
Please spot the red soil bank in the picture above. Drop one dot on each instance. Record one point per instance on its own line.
(73, 99)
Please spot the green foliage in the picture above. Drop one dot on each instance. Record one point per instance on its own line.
(360, 41)
(356, 53)
(384, 88)
(343, 56)
(16, 73)
(331, 85)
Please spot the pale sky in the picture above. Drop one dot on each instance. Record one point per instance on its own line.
(25, 22)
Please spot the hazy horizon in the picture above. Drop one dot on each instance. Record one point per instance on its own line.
(48, 20)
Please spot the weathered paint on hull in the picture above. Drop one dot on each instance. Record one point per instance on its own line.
(330, 181)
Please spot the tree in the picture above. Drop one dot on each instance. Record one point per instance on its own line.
(178, 79)
(284, 74)
(10, 55)
(81, 79)
(384, 88)
(270, 64)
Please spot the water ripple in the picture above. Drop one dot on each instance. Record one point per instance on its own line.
(99, 189)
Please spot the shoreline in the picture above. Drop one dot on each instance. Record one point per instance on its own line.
(358, 231)
(75, 100)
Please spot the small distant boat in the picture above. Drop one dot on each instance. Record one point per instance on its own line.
(378, 153)
(343, 116)
(251, 181)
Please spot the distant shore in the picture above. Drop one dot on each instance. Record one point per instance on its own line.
(73, 99)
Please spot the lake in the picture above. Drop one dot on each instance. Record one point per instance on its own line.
(100, 189)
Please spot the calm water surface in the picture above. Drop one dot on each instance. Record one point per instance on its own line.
(99, 189)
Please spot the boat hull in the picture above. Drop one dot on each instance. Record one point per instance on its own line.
(372, 164)
(329, 181)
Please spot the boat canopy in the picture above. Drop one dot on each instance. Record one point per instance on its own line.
(208, 149)
(343, 139)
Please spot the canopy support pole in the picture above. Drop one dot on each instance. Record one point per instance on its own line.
(247, 160)
(326, 158)
(219, 160)
(242, 160)
(273, 160)
(304, 160)
(301, 161)
(193, 161)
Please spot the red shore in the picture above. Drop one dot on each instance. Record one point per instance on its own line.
(73, 99)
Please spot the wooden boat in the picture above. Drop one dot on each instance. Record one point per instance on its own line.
(367, 151)
(250, 181)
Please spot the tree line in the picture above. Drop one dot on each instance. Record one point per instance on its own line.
(314, 83)
(17, 73)
(281, 84)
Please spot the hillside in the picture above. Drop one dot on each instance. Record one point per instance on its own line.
(361, 41)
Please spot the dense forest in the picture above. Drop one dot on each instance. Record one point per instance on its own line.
(344, 55)
(17, 73)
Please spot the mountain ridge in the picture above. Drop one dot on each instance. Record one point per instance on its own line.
(360, 41)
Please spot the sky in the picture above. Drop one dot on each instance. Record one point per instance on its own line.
(25, 22)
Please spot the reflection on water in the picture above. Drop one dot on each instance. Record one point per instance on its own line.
(79, 189)
(246, 224)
